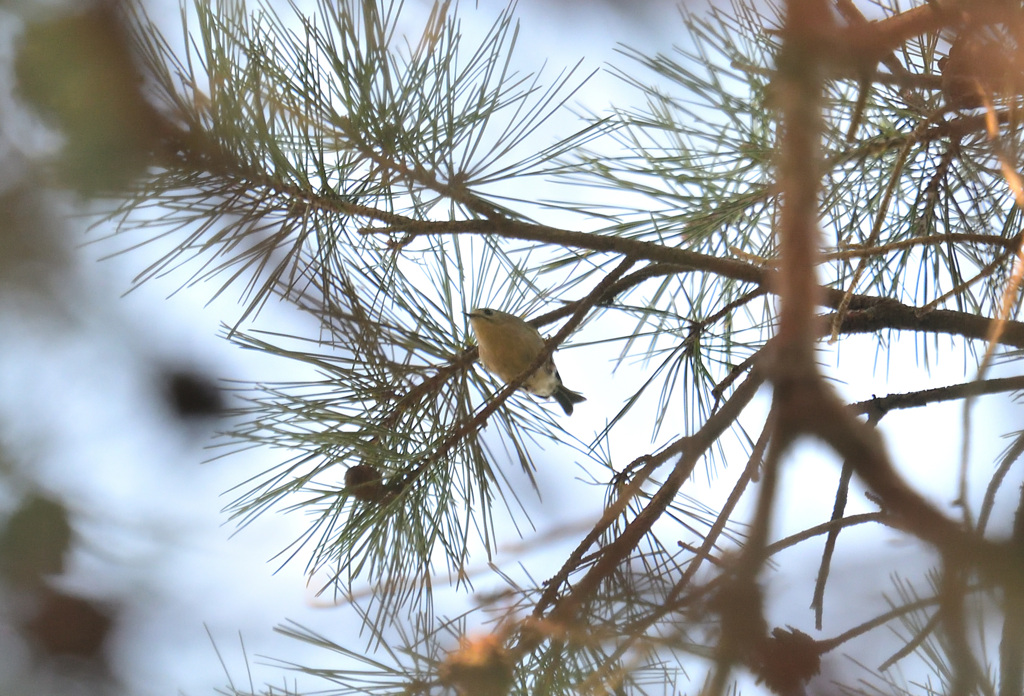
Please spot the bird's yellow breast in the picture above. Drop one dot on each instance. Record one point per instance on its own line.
(506, 354)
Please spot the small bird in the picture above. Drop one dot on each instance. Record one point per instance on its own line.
(508, 346)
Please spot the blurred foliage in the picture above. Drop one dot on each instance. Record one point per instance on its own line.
(65, 625)
(79, 71)
(34, 541)
(192, 395)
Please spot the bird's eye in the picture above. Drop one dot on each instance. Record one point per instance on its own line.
(489, 312)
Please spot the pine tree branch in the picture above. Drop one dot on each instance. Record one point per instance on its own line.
(613, 554)
(867, 313)
(855, 17)
(873, 314)
(855, 252)
(675, 600)
(968, 676)
(830, 644)
(461, 431)
(1007, 460)
(863, 447)
(650, 462)
(915, 643)
(399, 158)
(883, 404)
(838, 510)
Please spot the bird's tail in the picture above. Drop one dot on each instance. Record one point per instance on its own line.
(566, 398)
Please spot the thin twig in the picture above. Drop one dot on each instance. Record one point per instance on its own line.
(838, 509)
(619, 549)
(914, 643)
(953, 392)
(876, 229)
(1011, 456)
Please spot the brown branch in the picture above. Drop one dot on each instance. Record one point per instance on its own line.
(876, 229)
(859, 251)
(852, 14)
(676, 602)
(672, 603)
(867, 313)
(914, 643)
(611, 513)
(838, 510)
(802, 402)
(1013, 453)
(824, 528)
(871, 314)
(618, 550)
(1011, 644)
(966, 672)
(907, 80)
(887, 35)
(792, 368)
(854, 17)
(830, 644)
(641, 250)
(830, 420)
(892, 402)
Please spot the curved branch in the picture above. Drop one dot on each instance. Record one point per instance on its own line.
(867, 313)
(618, 550)
(883, 404)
